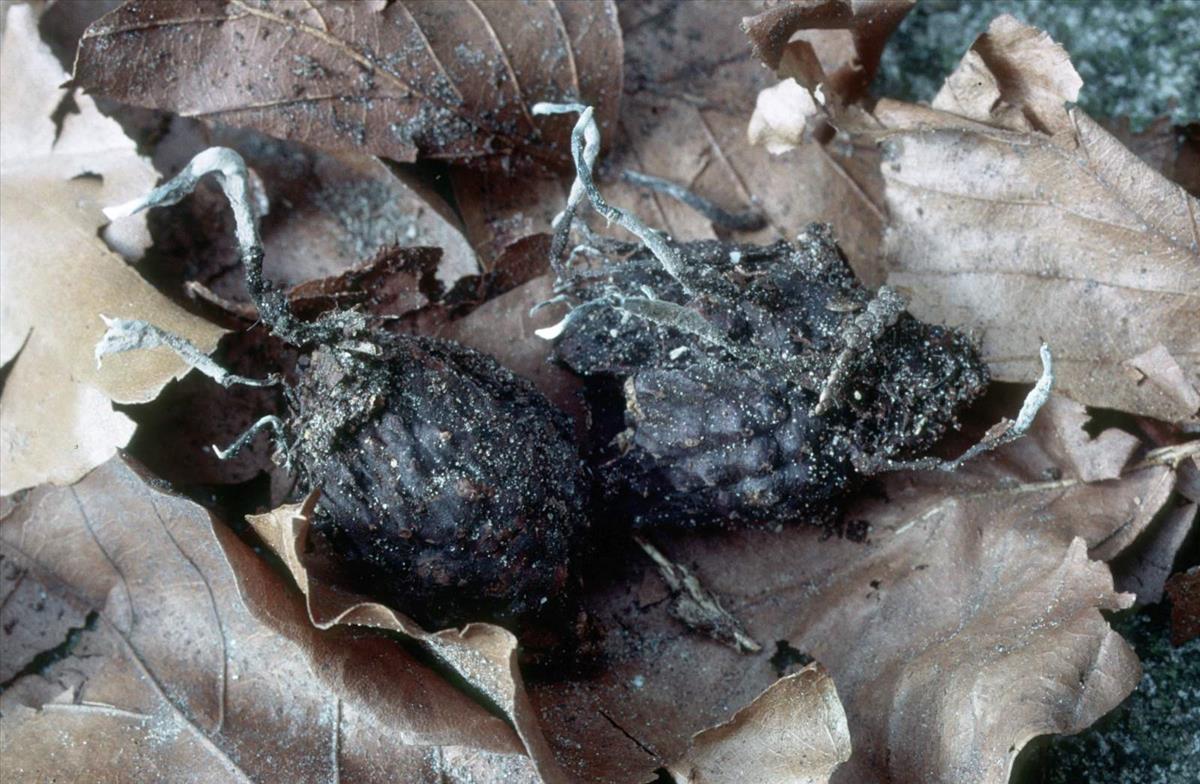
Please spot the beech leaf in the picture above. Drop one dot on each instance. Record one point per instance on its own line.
(57, 277)
(1017, 238)
(483, 654)
(1042, 225)
(833, 43)
(765, 737)
(1019, 218)
(1015, 76)
(948, 593)
(204, 663)
(401, 80)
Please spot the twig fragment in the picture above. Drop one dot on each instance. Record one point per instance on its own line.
(696, 606)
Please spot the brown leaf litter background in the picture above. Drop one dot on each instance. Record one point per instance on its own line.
(952, 618)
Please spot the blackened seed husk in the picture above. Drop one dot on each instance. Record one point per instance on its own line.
(449, 486)
(708, 437)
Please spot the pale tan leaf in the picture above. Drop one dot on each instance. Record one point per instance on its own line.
(793, 733)
(57, 276)
(1013, 76)
(1020, 238)
(203, 664)
(484, 655)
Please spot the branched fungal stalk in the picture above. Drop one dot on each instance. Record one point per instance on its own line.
(585, 146)
(270, 422)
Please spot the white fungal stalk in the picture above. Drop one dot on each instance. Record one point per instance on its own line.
(131, 335)
(1004, 432)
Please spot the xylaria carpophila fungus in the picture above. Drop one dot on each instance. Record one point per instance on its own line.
(448, 485)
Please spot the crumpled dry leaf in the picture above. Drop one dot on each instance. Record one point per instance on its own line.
(972, 589)
(1014, 76)
(1021, 219)
(1143, 568)
(765, 738)
(400, 79)
(1172, 150)
(483, 654)
(1021, 235)
(202, 662)
(1017, 238)
(57, 276)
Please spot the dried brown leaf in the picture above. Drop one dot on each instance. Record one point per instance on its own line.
(57, 276)
(401, 79)
(967, 623)
(1019, 238)
(203, 663)
(1144, 568)
(765, 740)
(837, 43)
(1022, 220)
(485, 656)
(1172, 150)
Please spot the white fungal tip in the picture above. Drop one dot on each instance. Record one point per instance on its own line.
(119, 211)
(551, 332)
(1047, 362)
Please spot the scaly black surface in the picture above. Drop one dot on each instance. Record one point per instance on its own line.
(712, 438)
(449, 486)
